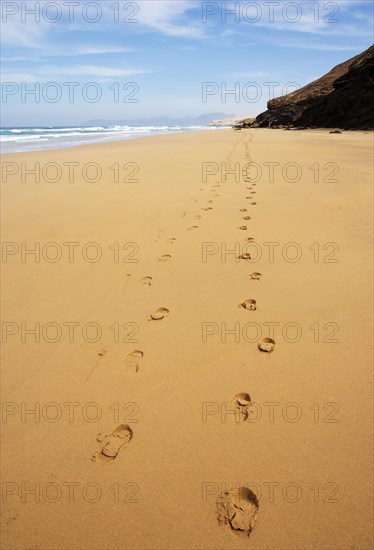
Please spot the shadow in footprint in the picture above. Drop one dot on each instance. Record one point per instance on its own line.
(255, 276)
(113, 443)
(146, 281)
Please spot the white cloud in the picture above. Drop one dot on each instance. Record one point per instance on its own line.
(47, 74)
(163, 16)
(16, 33)
(78, 51)
(94, 70)
(97, 50)
(327, 20)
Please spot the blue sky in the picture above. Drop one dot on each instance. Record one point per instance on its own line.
(168, 51)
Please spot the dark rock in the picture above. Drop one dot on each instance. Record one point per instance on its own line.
(245, 123)
(342, 98)
(335, 132)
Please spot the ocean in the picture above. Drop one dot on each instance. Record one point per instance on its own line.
(15, 140)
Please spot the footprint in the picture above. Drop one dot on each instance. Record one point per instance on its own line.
(132, 361)
(171, 240)
(242, 402)
(146, 281)
(113, 443)
(238, 510)
(247, 218)
(9, 515)
(164, 258)
(159, 314)
(193, 227)
(128, 276)
(249, 304)
(266, 344)
(243, 210)
(198, 217)
(253, 203)
(209, 202)
(244, 256)
(253, 192)
(243, 228)
(255, 276)
(250, 239)
(208, 208)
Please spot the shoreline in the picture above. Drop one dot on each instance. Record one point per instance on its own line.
(219, 128)
(98, 142)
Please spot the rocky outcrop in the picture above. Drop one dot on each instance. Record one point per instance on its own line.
(226, 121)
(342, 98)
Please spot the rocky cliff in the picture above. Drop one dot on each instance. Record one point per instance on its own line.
(343, 98)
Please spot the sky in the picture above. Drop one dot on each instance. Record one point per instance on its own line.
(66, 62)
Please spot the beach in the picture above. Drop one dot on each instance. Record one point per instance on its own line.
(140, 279)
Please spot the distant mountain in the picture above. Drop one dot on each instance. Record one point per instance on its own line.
(202, 120)
(342, 98)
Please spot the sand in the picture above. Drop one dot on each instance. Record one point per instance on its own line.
(140, 429)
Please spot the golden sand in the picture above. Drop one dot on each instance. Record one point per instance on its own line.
(158, 395)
